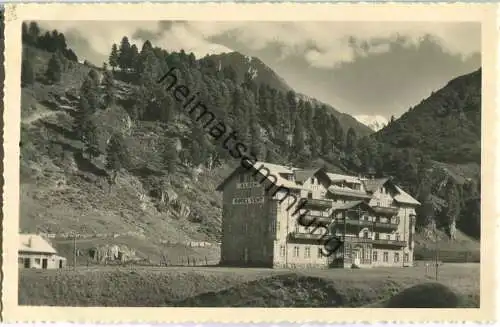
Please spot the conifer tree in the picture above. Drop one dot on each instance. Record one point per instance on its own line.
(298, 137)
(113, 57)
(108, 84)
(90, 92)
(124, 57)
(117, 157)
(91, 139)
(134, 57)
(82, 118)
(27, 73)
(24, 33)
(54, 69)
(350, 141)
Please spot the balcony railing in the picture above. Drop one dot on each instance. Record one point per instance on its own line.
(354, 239)
(387, 225)
(385, 210)
(317, 203)
(306, 236)
(389, 242)
(354, 222)
(314, 220)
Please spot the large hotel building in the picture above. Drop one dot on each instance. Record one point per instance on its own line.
(374, 218)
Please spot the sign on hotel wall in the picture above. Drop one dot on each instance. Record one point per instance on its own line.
(247, 185)
(252, 200)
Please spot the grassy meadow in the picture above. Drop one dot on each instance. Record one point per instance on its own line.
(239, 287)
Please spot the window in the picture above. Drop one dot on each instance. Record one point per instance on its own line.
(388, 237)
(278, 226)
(307, 253)
(297, 228)
(386, 256)
(397, 236)
(365, 234)
(282, 251)
(37, 261)
(242, 178)
(396, 257)
(375, 256)
(320, 252)
(295, 251)
(20, 260)
(271, 227)
(406, 257)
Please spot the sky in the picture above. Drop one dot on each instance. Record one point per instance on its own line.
(360, 68)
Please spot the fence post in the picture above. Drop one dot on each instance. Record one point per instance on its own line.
(206, 261)
(188, 260)
(194, 261)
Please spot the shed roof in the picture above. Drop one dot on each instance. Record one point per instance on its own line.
(35, 244)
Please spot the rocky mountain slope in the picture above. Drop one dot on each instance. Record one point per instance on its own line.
(165, 194)
(108, 153)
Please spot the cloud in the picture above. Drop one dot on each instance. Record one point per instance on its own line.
(333, 41)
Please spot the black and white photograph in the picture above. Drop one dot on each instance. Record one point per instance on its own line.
(250, 163)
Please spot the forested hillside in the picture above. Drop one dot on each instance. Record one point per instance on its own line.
(435, 149)
(109, 150)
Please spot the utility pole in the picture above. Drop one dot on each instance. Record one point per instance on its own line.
(437, 250)
(74, 251)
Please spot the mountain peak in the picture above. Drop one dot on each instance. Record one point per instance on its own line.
(374, 122)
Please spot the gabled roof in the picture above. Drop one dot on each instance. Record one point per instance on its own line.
(404, 197)
(302, 175)
(274, 170)
(343, 178)
(372, 185)
(348, 192)
(35, 244)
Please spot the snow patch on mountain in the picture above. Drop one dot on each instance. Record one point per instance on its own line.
(375, 122)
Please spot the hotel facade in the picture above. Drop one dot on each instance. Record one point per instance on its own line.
(262, 205)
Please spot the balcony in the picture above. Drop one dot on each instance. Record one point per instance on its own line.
(316, 204)
(354, 222)
(390, 242)
(306, 236)
(393, 224)
(354, 239)
(385, 211)
(314, 220)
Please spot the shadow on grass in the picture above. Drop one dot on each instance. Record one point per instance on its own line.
(277, 291)
(428, 295)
